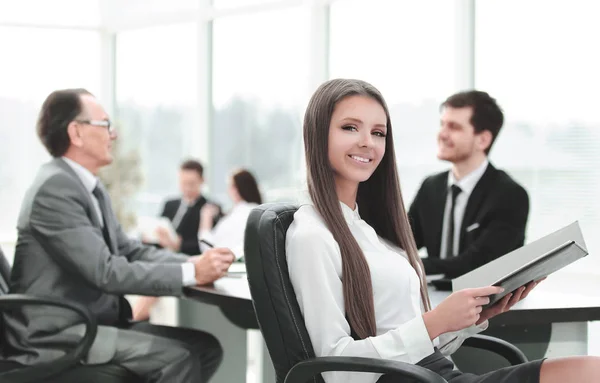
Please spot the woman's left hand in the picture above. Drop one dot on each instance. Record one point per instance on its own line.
(508, 301)
(207, 216)
(165, 240)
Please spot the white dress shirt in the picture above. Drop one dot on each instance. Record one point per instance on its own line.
(90, 181)
(229, 231)
(315, 267)
(184, 205)
(466, 184)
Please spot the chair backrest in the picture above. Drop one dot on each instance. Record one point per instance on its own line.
(4, 280)
(4, 273)
(277, 310)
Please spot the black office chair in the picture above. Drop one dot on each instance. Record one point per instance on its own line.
(281, 321)
(67, 368)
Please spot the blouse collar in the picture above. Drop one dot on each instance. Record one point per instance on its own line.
(349, 214)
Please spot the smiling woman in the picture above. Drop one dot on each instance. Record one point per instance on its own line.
(357, 275)
(356, 144)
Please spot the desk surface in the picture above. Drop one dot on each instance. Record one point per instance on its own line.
(560, 298)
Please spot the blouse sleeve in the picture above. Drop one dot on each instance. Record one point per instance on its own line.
(449, 342)
(314, 263)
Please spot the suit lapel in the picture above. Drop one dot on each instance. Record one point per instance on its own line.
(92, 214)
(112, 233)
(108, 216)
(438, 204)
(91, 210)
(110, 222)
(476, 199)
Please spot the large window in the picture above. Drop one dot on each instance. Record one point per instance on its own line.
(260, 76)
(546, 79)
(34, 63)
(157, 98)
(407, 51)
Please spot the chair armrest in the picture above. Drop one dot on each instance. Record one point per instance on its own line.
(498, 346)
(306, 369)
(38, 372)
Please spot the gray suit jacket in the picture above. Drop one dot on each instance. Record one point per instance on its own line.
(61, 252)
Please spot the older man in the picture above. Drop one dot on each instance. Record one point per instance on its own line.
(71, 246)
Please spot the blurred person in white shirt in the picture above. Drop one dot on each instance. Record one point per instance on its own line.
(245, 194)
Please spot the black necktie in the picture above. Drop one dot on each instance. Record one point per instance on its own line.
(121, 312)
(455, 190)
(101, 196)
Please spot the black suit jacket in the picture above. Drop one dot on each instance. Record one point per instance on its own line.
(496, 215)
(189, 225)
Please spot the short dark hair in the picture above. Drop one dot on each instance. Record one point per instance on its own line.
(58, 110)
(246, 185)
(487, 114)
(193, 165)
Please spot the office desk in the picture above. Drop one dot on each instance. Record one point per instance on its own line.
(552, 321)
(232, 295)
(225, 310)
(561, 298)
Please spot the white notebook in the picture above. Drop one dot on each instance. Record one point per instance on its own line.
(528, 263)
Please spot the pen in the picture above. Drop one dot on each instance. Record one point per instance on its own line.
(207, 243)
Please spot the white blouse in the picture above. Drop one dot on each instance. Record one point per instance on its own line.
(229, 231)
(315, 267)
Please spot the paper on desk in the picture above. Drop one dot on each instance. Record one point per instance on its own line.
(492, 272)
(237, 267)
(147, 227)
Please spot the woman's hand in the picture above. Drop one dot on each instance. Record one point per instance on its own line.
(207, 216)
(460, 310)
(165, 240)
(508, 301)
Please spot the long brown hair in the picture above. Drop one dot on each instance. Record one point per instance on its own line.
(246, 185)
(377, 197)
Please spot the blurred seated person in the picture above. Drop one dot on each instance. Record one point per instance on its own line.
(243, 191)
(184, 212)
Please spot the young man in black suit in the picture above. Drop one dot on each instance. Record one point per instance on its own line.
(184, 212)
(474, 213)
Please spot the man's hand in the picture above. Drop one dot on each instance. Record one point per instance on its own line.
(508, 301)
(212, 264)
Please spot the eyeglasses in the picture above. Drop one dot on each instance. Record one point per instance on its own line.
(101, 123)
